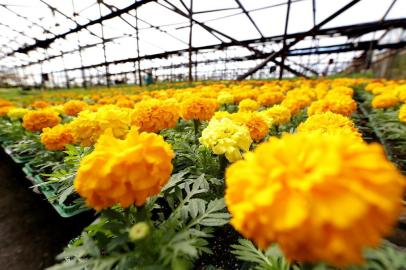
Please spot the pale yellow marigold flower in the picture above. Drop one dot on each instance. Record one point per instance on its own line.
(279, 114)
(225, 137)
(225, 98)
(17, 113)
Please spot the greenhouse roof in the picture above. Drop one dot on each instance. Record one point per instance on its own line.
(52, 33)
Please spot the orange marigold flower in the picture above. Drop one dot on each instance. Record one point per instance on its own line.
(124, 171)
(270, 98)
(73, 107)
(154, 115)
(5, 103)
(37, 120)
(321, 197)
(57, 137)
(257, 123)
(258, 127)
(39, 104)
(5, 110)
(198, 108)
(125, 103)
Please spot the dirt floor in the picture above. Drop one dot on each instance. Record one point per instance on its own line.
(31, 231)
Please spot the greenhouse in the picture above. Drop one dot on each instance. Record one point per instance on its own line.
(203, 134)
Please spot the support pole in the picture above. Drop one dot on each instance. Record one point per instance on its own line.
(65, 71)
(106, 65)
(137, 37)
(284, 40)
(82, 70)
(190, 40)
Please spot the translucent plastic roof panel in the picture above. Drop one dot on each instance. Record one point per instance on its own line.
(164, 26)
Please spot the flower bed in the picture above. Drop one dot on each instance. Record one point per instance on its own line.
(267, 174)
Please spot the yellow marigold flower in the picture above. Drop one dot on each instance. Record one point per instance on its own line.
(373, 85)
(73, 107)
(342, 104)
(402, 113)
(88, 126)
(17, 113)
(154, 115)
(222, 114)
(295, 104)
(279, 114)
(401, 92)
(5, 103)
(248, 105)
(321, 90)
(37, 120)
(57, 137)
(39, 104)
(225, 137)
(380, 90)
(124, 171)
(330, 123)
(198, 108)
(318, 106)
(5, 110)
(384, 101)
(325, 120)
(225, 98)
(341, 90)
(320, 197)
(57, 108)
(270, 98)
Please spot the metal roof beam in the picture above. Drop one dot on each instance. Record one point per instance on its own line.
(244, 10)
(46, 42)
(297, 40)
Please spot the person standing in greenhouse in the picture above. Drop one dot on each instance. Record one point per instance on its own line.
(148, 79)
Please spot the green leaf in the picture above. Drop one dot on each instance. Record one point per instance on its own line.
(90, 246)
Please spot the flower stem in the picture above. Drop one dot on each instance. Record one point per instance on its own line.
(196, 124)
(223, 165)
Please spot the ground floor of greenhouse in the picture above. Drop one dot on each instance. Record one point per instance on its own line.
(31, 231)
